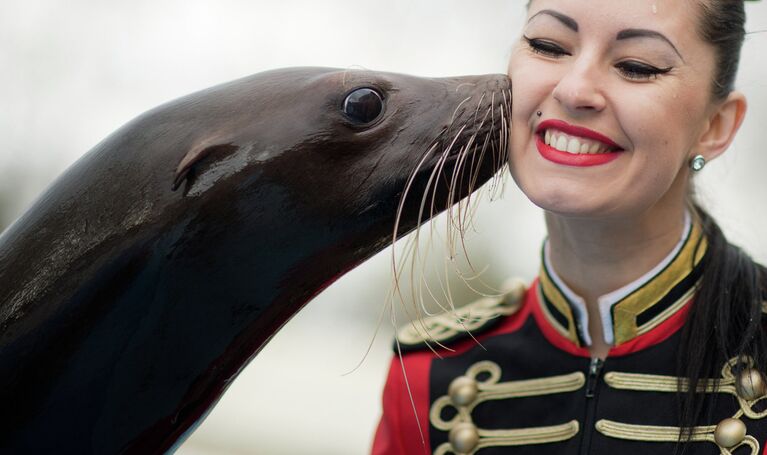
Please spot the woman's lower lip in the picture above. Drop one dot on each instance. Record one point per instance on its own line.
(571, 159)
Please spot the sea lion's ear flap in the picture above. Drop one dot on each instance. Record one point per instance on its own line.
(194, 156)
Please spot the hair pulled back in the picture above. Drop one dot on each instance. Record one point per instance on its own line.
(722, 24)
(725, 320)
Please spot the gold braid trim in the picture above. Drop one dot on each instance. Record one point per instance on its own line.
(491, 389)
(468, 318)
(518, 437)
(673, 384)
(548, 289)
(649, 433)
(651, 293)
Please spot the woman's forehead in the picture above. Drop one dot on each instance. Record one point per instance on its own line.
(669, 23)
(673, 15)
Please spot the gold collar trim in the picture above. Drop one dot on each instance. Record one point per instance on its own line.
(634, 309)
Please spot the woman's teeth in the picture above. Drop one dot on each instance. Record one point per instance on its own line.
(572, 144)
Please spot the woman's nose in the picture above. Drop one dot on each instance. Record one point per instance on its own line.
(579, 90)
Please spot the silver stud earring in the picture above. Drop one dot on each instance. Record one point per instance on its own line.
(697, 163)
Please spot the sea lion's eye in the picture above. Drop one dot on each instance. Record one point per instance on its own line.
(363, 105)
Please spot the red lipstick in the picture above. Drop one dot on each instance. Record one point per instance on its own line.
(571, 159)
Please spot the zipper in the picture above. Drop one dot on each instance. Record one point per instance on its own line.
(592, 383)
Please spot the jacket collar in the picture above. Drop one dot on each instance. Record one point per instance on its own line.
(634, 309)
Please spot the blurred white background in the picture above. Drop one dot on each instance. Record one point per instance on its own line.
(72, 72)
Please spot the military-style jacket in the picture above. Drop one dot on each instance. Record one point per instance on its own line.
(525, 383)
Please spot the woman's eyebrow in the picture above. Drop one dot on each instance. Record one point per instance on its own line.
(568, 21)
(643, 33)
(628, 33)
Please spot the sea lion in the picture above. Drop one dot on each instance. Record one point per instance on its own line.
(147, 276)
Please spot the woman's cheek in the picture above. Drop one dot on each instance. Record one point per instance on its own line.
(532, 82)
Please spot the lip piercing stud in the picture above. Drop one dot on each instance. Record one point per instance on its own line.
(697, 163)
(539, 113)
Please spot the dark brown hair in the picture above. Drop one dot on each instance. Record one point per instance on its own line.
(722, 24)
(725, 320)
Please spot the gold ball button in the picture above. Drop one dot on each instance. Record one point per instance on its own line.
(729, 433)
(464, 438)
(751, 384)
(463, 391)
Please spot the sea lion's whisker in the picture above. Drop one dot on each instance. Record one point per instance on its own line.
(455, 182)
(398, 216)
(479, 104)
(407, 384)
(432, 184)
(464, 209)
(456, 215)
(414, 251)
(457, 171)
(499, 154)
(474, 171)
(466, 171)
(466, 222)
(418, 319)
(417, 258)
(406, 191)
(498, 181)
(379, 320)
(455, 111)
(457, 87)
(438, 171)
(348, 69)
(448, 202)
(467, 208)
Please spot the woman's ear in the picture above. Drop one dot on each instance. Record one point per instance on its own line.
(723, 123)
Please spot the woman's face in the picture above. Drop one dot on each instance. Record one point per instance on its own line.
(631, 78)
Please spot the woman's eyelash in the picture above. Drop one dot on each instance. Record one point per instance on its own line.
(544, 47)
(635, 70)
(629, 69)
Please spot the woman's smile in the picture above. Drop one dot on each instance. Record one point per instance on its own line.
(571, 145)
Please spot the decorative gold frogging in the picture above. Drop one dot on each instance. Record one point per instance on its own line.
(716, 434)
(467, 392)
(747, 386)
(468, 318)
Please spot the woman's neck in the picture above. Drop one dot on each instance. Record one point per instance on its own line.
(596, 257)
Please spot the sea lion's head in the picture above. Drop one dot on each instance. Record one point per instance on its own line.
(350, 142)
(145, 278)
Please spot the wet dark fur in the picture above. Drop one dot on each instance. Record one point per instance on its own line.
(127, 307)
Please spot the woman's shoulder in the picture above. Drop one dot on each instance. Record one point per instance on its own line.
(464, 322)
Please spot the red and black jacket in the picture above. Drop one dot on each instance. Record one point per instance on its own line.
(525, 383)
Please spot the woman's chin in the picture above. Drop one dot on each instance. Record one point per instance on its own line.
(576, 205)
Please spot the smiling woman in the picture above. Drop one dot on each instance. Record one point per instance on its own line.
(644, 330)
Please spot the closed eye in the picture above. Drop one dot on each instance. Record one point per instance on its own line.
(640, 71)
(543, 47)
